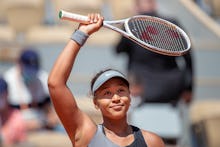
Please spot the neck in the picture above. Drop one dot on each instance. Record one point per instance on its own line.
(117, 127)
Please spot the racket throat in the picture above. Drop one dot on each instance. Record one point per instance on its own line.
(118, 27)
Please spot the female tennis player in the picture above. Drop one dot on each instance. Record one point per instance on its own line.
(110, 90)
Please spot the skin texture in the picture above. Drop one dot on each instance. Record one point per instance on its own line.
(112, 98)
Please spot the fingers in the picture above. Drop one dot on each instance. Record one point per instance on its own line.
(95, 23)
(94, 17)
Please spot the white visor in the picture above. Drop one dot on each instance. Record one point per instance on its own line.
(105, 76)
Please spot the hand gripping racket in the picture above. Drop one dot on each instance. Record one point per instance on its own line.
(152, 33)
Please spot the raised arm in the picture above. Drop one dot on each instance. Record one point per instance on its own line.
(74, 120)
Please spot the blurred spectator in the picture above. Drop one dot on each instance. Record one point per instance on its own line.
(12, 129)
(28, 91)
(158, 79)
(159, 74)
(204, 6)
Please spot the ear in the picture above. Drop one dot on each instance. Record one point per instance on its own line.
(95, 103)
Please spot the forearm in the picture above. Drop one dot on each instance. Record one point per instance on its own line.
(65, 61)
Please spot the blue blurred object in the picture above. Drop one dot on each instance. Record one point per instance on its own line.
(30, 58)
(3, 85)
(30, 63)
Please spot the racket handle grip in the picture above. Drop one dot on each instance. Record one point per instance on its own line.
(73, 17)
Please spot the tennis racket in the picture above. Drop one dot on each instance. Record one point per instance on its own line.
(152, 33)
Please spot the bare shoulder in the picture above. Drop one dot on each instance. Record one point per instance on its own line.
(152, 139)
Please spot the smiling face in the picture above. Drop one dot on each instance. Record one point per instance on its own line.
(113, 98)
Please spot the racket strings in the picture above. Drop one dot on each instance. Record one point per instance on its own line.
(164, 39)
(178, 42)
(158, 34)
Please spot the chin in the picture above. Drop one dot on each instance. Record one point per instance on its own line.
(118, 115)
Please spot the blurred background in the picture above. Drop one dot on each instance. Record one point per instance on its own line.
(35, 23)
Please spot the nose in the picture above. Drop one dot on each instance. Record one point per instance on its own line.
(116, 98)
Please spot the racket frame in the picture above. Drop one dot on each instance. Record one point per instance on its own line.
(131, 36)
(128, 33)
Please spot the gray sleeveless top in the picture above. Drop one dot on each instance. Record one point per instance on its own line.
(100, 140)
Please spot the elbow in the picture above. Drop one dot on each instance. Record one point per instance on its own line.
(55, 81)
(52, 83)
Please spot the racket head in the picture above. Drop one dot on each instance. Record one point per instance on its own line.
(157, 35)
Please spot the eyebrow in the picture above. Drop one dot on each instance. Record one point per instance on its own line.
(106, 87)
